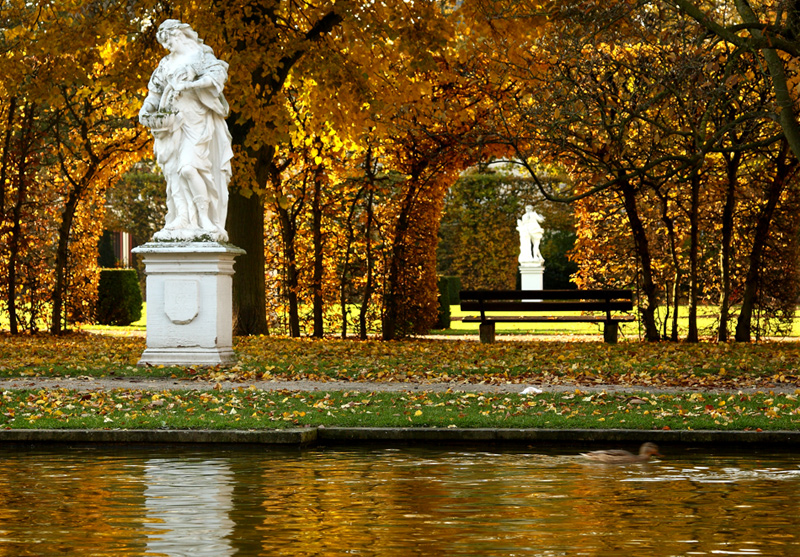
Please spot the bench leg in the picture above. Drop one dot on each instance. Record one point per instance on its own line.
(487, 332)
(610, 331)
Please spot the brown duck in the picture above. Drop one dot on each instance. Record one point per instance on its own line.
(617, 456)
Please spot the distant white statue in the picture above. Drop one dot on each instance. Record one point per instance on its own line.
(186, 110)
(530, 235)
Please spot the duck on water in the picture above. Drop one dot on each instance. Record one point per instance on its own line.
(618, 456)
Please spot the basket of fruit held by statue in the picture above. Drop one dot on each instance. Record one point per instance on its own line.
(159, 121)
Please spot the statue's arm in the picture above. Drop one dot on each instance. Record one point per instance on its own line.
(155, 89)
(150, 104)
(213, 76)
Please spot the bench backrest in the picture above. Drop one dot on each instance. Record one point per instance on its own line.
(548, 300)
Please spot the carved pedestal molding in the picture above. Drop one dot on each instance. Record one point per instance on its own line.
(532, 275)
(189, 303)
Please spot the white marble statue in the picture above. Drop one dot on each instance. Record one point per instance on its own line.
(530, 235)
(186, 110)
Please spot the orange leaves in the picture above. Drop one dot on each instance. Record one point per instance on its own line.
(78, 354)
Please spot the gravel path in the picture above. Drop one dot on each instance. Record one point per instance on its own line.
(150, 384)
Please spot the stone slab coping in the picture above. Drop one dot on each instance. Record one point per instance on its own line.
(328, 436)
(187, 246)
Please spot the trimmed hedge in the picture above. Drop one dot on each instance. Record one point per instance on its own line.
(453, 289)
(105, 251)
(119, 300)
(449, 293)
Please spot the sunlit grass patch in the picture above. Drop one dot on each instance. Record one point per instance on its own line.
(73, 354)
(255, 409)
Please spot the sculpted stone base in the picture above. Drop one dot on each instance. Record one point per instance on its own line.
(189, 303)
(532, 275)
(187, 356)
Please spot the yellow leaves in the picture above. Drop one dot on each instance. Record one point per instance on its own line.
(111, 48)
(315, 155)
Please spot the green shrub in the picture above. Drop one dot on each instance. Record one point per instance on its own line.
(558, 269)
(119, 300)
(105, 249)
(443, 321)
(453, 289)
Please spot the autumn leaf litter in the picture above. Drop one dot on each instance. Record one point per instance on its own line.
(82, 361)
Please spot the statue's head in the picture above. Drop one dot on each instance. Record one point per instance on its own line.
(168, 26)
(528, 208)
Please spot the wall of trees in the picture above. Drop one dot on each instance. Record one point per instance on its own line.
(683, 175)
(67, 98)
(674, 126)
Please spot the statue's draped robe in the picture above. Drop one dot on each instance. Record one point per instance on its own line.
(197, 137)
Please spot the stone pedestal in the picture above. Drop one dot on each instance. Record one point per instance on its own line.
(532, 275)
(189, 303)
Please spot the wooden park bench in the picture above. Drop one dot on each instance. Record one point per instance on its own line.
(546, 303)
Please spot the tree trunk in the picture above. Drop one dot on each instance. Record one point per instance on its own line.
(368, 284)
(79, 187)
(4, 164)
(62, 260)
(732, 171)
(24, 150)
(744, 323)
(345, 276)
(648, 313)
(676, 304)
(694, 248)
(245, 228)
(13, 250)
(391, 315)
(319, 268)
(344, 282)
(669, 223)
(393, 327)
(292, 283)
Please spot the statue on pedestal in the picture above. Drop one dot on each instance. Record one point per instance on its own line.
(186, 110)
(530, 234)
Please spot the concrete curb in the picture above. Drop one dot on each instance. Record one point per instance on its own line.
(330, 436)
(335, 435)
(159, 436)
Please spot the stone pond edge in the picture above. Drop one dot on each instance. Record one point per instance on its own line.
(406, 436)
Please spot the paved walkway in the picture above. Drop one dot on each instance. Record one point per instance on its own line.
(160, 384)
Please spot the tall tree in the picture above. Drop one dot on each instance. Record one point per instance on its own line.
(769, 27)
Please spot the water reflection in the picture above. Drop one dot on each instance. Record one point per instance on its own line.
(392, 502)
(187, 505)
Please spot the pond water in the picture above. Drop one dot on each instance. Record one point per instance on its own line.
(399, 502)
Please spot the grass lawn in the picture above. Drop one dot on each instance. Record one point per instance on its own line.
(255, 409)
